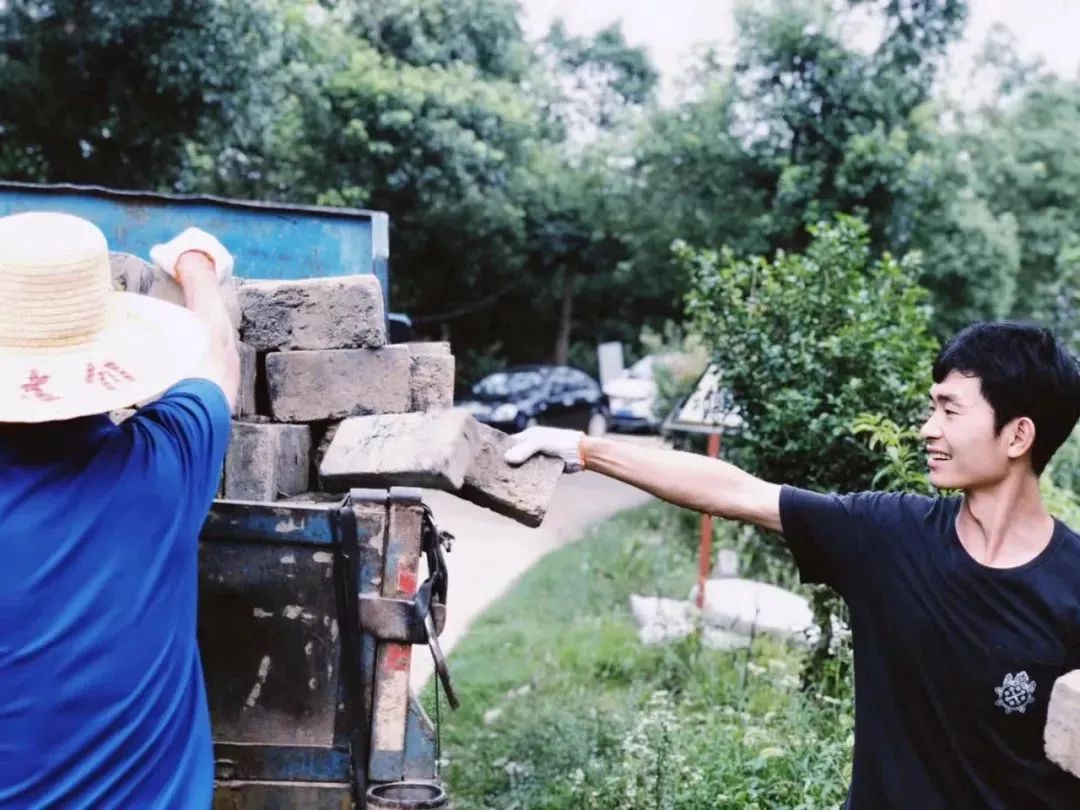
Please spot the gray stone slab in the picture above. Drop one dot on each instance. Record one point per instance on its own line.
(416, 449)
(267, 461)
(443, 449)
(340, 312)
(1062, 731)
(313, 386)
(245, 398)
(522, 493)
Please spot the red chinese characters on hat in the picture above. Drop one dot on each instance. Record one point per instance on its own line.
(108, 376)
(35, 387)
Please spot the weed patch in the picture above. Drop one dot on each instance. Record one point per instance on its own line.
(563, 708)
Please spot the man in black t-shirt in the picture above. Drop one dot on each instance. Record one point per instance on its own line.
(964, 610)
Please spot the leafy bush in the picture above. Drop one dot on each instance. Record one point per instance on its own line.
(902, 450)
(810, 343)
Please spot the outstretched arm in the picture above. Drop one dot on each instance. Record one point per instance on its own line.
(684, 479)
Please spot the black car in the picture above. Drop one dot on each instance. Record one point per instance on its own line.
(523, 396)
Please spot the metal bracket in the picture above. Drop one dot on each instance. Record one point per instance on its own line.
(395, 495)
(398, 620)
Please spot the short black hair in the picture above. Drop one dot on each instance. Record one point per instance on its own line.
(1023, 370)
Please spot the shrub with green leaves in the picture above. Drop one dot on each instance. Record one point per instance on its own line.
(809, 342)
(812, 344)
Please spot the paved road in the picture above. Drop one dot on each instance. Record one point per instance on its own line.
(491, 552)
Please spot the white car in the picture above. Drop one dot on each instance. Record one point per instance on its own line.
(633, 398)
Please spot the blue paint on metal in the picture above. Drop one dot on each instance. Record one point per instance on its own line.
(271, 523)
(419, 743)
(284, 763)
(268, 240)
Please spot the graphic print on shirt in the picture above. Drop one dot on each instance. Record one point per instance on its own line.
(1016, 693)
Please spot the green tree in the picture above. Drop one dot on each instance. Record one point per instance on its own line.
(815, 106)
(602, 76)
(802, 127)
(109, 92)
(1027, 159)
(485, 34)
(440, 147)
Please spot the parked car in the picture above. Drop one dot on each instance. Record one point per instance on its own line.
(523, 396)
(633, 398)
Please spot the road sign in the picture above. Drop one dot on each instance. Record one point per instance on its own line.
(709, 409)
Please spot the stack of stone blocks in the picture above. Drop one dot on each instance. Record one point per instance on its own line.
(326, 404)
(313, 353)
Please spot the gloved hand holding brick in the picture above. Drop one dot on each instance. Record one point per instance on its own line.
(544, 441)
(167, 254)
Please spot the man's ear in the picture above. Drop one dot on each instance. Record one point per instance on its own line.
(1021, 436)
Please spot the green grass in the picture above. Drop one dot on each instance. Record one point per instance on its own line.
(580, 715)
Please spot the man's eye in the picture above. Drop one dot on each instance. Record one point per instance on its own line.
(950, 413)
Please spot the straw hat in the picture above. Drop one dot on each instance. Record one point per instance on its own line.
(69, 345)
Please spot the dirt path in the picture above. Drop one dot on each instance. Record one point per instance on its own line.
(491, 552)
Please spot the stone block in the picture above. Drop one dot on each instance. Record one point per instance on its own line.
(132, 274)
(341, 312)
(245, 397)
(416, 449)
(1061, 735)
(432, 376)
(313, 386)
(522, 493)
(266, 461)
(445, 449)
(427, 347)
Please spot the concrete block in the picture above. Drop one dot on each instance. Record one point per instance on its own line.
(132, 274)
(432, 376)
(245, 398)
(416, 449)
(445, 449)
(427, 347)
(1061, 735)
(266, 461)
(522, 493)
(341, 312)
(312, 386)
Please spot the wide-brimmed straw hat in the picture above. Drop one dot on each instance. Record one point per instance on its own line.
(69, 344)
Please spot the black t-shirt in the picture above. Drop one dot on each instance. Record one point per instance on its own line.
(954, 661)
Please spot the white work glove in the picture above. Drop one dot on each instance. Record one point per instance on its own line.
(555, 442)
(166, 255)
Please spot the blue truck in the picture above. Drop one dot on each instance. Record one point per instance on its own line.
(308, 611)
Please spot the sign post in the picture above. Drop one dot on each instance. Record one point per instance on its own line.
(709, 410)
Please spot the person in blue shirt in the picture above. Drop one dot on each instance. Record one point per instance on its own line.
(102, 702)
(964, 609)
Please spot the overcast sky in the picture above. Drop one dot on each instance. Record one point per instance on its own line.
(669, 29)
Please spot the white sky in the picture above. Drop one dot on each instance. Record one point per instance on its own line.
(670, 29)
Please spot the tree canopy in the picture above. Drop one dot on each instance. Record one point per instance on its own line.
(542, 183)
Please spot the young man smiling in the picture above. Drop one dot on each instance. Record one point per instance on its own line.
(964, 609)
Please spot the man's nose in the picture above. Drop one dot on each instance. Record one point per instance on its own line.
(930, 429)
